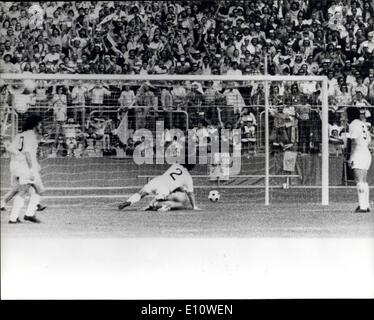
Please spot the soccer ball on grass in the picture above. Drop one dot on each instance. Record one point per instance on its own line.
(214, 195)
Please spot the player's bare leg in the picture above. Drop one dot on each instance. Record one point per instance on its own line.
(39, 188)
(15, 189)
(175, 201)
(168, 205)
(32, 207)
(136, 197)
(15, 186)
(8, 197)
(11, 194)
(367, 190)
(151, 205)
(362, 190)
(19, 201)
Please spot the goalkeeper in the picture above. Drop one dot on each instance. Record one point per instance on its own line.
(177, 177)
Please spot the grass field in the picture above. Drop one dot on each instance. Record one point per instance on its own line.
(239, 213)
(237, 248)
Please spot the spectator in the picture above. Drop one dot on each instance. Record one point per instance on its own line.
(130, 147)
(52, 57)
(127, 101)
(97, 94)
(300, 37)
(179, 95)
(6, 66)
(78, 101)
(71, 132)
(360, 87)
(247, 123)
(258, 95)
(59, 105)
(336, 140)
(343, 96)
(146, 101)
(194, 99)
(167, 104)
(370, 83)
(359, 100)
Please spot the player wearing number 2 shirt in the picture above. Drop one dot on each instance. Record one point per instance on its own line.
(176, 177)
(360, 159)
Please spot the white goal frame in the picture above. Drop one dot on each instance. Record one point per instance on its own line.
(264, 78)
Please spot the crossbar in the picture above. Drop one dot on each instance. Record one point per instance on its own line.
(164, 77)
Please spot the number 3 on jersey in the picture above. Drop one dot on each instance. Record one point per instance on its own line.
(364, 132)
(177, 172)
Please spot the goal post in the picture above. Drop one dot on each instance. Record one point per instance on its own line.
(240, 83)
(325, 144)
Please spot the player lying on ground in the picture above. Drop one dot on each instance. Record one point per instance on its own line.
(177, 200)
(176, 177)
(25, 168)
(360, 159)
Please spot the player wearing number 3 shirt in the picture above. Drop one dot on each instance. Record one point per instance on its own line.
(176, 177)
(360, 159)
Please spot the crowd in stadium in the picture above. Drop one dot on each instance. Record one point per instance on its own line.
(300, 37)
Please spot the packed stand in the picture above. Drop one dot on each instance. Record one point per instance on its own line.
(302, 37)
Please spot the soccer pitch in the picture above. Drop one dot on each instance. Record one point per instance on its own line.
(239, 213)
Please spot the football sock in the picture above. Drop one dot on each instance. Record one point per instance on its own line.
(361, 195)
(134, 198)
(17, 207)
(367, 192)
(33, 203)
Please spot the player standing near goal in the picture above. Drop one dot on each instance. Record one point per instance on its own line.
(360, 157)
(15, 186)
(22, 93)
(176, 177)
(25, 168)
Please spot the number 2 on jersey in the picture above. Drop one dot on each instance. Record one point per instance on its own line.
(177, 172)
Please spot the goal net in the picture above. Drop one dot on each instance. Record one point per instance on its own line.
(262, 138)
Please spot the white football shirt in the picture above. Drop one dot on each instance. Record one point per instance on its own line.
(359, 131)
(177, 176)
(26, 141)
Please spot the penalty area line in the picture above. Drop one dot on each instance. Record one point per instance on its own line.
(196, 187)
(89, 196)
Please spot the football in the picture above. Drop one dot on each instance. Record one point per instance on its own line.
(214, 195)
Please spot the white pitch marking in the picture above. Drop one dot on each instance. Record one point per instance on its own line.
(90, 196)
(196, 187)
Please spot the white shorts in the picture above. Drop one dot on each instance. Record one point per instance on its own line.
(21, 172)
(157, 188)
(361, 160)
